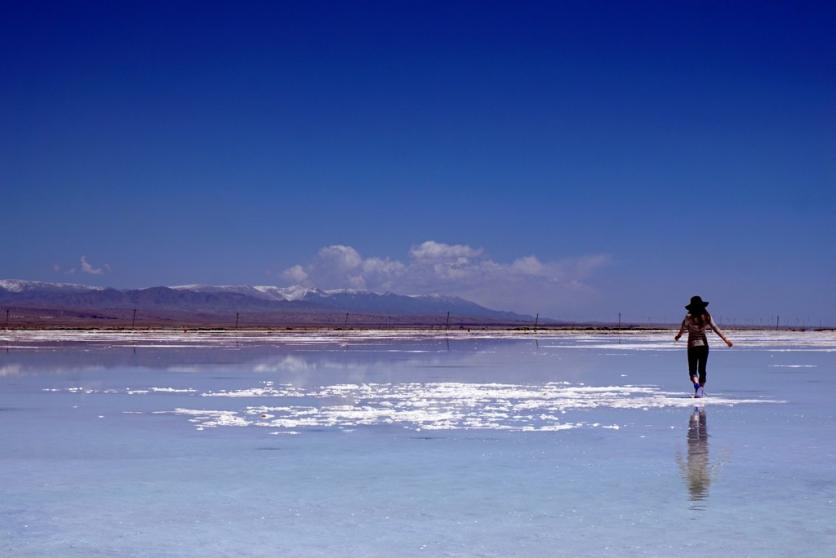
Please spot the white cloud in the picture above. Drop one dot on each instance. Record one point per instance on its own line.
(295, 274)
(343, 257)
(87, 267)
(337, 266)
(526, 284)
(10, 370)
(432, 250)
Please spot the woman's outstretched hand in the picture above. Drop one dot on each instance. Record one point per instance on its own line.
(729, 343)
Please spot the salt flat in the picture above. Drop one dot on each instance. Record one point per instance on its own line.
(381, 443)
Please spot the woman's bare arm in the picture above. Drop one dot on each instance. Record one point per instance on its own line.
(681, 329)
(720, 333)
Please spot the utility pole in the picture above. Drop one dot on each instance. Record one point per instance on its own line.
(536, 321)
(133, 319)
(777, 321)
(619, 320)
(345, 326)
(7, 318)
(237, 315)
(447, 325)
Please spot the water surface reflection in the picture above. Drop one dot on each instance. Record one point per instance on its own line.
(696, 468)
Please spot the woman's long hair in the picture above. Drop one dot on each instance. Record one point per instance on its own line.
(702, 318)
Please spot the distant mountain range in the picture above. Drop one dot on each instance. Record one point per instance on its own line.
(64, 303)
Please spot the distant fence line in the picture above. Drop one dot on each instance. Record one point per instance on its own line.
(25, 316)
(32, 317)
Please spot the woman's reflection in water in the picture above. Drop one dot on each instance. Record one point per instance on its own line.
(696, 468)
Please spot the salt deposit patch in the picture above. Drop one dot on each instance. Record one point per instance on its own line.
(439, 405)
(204, 418)
(548, 407)
(268, 389)
(127, 390)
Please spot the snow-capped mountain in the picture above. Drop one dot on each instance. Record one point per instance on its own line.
(20, 286)
(266, 292)
(223, 300)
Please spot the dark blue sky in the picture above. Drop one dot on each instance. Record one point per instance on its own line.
(685, 149)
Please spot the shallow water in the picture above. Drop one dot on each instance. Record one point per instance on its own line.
(397, 444)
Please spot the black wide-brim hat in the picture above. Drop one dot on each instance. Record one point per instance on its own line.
(696, 305)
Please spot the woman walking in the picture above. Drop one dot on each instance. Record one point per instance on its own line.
(695, 323)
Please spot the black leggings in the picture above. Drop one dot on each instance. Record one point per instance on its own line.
(697, 359)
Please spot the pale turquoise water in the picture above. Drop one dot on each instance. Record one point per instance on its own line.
(395, 445)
